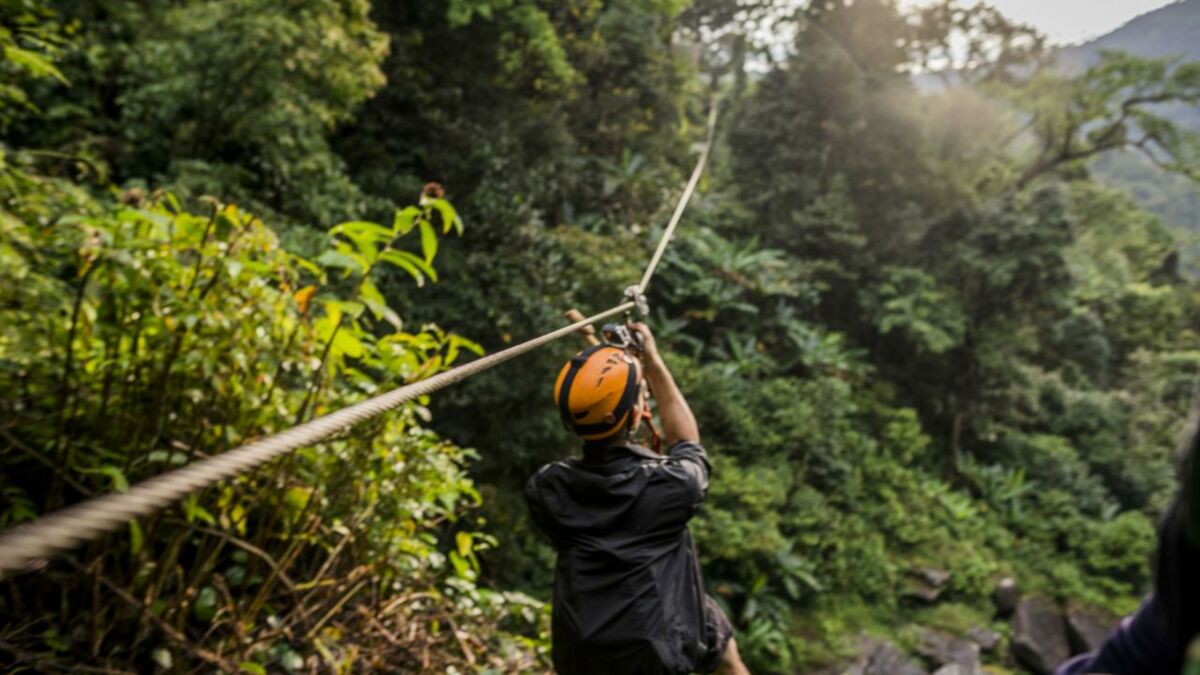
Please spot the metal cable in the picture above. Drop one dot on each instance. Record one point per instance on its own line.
(683, 201)
(23, 546)
(64, 529)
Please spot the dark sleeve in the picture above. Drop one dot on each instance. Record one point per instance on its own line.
(678, 486)
(1176, 584)
(537, 508)
(689, 462)
(1189, 496)
(1140, 645)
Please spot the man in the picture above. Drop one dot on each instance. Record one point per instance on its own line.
(628, 594)
(1154, 641)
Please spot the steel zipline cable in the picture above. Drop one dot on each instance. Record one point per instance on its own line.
(683, 200)
(68, 527)
(62, 530)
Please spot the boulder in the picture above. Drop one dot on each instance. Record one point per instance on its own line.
(986, 639)
(927, 583)
(943, 649)
(1005, 596)
(1039, 636)
(1088, 627)
(922, 591)
(934, 577)
(883, 658)
(954, 669)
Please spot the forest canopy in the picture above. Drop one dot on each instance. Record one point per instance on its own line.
(928, 349)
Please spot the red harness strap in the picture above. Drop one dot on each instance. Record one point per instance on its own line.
(655, 438)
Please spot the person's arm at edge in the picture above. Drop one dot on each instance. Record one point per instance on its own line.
(679, 424)
(1190, 494)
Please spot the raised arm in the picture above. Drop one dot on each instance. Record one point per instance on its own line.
(1190, 495)
(679, 424)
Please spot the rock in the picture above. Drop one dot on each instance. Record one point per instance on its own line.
(1006, 595)
(883, 658)
(985, 638)
(954, 669)
(923, 592)
(934, 577)
(1088, 627)
(1039, 636)
(943, 649)
(927, 583)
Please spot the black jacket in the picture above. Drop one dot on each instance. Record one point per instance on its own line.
(1177, 560)
(628, 595)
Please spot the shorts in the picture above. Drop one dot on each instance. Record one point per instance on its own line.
(718, 633)
(643, 657)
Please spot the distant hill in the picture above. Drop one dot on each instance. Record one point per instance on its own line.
(1173, 30)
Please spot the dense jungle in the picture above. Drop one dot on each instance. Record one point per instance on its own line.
(930, 306)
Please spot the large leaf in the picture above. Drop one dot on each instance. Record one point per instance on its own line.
(370, 295)
(429, 242)
(405, 219)
(449, 215)
(115, 475)
(337, 259)
(367, 237)
(377, 304)
(35, 64)
(363, 228)
(347, 343)
(414, 265)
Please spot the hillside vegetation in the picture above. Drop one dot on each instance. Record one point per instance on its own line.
(927, 349)
(1170, 33)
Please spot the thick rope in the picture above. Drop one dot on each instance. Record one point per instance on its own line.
(64, 529)
(23, 546)
(683, 201)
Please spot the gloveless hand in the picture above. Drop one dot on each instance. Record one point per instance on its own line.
(650, 353)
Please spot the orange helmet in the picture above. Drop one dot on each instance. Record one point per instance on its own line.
(596, 390)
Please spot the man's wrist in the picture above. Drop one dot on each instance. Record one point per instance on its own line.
(654, 362)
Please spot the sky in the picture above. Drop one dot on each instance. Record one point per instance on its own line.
(1071, 21)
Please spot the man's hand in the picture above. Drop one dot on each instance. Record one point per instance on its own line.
(678, 422)
(649, 347)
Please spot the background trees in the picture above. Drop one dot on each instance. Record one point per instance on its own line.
(917, 332)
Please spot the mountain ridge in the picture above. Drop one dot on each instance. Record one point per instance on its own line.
(1171, 30)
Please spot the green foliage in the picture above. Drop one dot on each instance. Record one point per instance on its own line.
(30, 43)
(1116, 551)
(137, 338)
(1171, 197)
(236, 99)
(530, 43)
(910, 302)
(1110, 107)
(902, 353)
